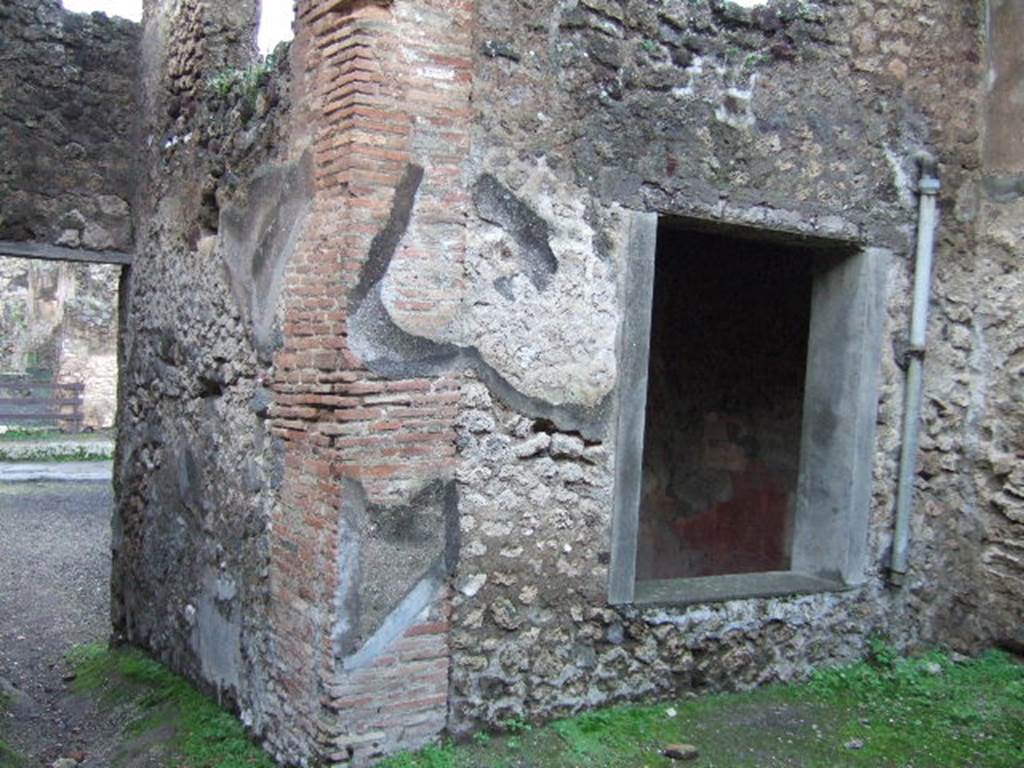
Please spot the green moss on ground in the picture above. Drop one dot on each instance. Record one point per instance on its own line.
(191, 729)
(44, 457)
(8, 758)
(885, 711)
(15, 434)
(47, 434)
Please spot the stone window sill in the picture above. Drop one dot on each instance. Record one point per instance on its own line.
(712, 589)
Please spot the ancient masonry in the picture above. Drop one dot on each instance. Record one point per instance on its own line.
(66, 180)
(499, 360)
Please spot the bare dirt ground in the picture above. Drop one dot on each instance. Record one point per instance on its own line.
(54, 594)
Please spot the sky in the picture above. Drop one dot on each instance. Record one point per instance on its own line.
(129, 9)
(275, 16)
(275, 23)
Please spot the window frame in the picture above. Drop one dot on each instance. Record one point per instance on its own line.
(837, 445)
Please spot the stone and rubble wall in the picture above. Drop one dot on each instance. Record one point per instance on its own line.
(366, 476)
(196, 469)
(984, 307)
(285, 524)
(67, 177)
(798, 117)
(67, 118)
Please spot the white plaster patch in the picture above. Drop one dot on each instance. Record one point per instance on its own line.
(900, 178)
(473, 584)
(555, 342)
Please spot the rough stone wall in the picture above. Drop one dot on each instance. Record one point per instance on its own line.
(285, 522)
(792, 116)
(983, 307)
(67, 108)
(67, 177)
(62, 318)
(219, 207)
(366, 473)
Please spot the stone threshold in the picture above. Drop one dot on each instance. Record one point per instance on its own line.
(712, 589)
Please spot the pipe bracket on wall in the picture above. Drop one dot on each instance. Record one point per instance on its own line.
(914, 353)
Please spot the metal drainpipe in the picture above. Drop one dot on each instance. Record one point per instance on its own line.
(928, 188)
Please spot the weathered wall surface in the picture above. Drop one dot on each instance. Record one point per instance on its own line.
(284, 530)
(795, 117)
(196, 467)
(366, 474)
(61, 318)
(365, 535)
(986, 305)
(67, 141)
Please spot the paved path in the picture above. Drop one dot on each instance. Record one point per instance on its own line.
(54, 594)
(59, 472)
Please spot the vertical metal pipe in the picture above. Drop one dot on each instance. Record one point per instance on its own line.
(928, 189)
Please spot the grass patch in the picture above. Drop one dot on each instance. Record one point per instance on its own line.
(15, 434)
(46, 445)
(883, 712)
(205, 736)
(8, 758)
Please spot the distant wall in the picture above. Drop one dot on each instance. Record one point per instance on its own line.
(61, 318)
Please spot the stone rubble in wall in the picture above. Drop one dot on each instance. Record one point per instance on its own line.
(832, 78)
(532, 636)
(69, 85)
(199, 470)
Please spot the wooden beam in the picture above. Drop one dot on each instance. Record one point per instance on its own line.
(59, 253)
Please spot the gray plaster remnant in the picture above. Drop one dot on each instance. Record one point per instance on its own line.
(216, 635)
(405, 614)
(259, 233)
(634, 351)
(189, 476)
(391, 560)
(840, 408)
(390, 351)
(373, 335)
(385, 242)
(497, 205)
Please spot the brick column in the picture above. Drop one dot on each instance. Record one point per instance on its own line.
(384, 88)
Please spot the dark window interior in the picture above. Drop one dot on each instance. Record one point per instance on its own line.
(725, 392)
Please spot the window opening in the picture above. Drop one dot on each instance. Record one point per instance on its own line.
(745, 412)
(723, 415)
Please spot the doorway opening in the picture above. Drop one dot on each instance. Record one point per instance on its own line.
(60, 357)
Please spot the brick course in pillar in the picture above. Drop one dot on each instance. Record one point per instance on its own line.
(386, 85)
